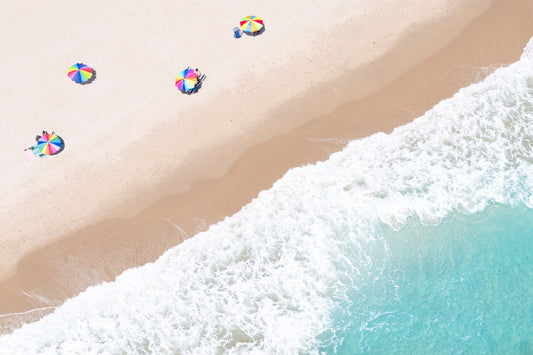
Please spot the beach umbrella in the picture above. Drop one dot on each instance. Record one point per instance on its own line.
(186, 80)
(251, 24)
(50, 144)
(80, 72)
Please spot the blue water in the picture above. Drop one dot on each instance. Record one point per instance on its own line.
(465, 286)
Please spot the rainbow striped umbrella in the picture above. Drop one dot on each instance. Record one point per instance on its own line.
(186, 80)
(80, 72)
(251, 24)
(49, 144)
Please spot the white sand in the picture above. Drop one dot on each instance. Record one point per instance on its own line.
(131, 127)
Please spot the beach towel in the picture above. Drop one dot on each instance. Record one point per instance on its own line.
(29, 155)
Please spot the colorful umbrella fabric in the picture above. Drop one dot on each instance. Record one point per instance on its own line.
(186, 80)
(251, 24)
(80, 72)
(49, 144)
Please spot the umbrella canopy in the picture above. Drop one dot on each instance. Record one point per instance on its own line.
(49, 144)
(251, 24)
(186, 80)
(80, 72)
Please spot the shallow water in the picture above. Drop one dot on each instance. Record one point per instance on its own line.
(461, 287)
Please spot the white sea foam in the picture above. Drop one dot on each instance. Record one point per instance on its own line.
(266, 279)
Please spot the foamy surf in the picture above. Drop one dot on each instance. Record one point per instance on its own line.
(273, 277)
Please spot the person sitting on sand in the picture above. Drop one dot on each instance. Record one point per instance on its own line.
(198, 74)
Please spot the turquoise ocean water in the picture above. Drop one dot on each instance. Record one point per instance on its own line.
(464, 286)
(417, 242)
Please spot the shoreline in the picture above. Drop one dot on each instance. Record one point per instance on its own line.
(66, 267)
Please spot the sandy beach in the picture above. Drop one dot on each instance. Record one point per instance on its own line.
(146, 167)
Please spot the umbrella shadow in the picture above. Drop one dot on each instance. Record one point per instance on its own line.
(91, 79)
(197, 87)
(255, 34)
